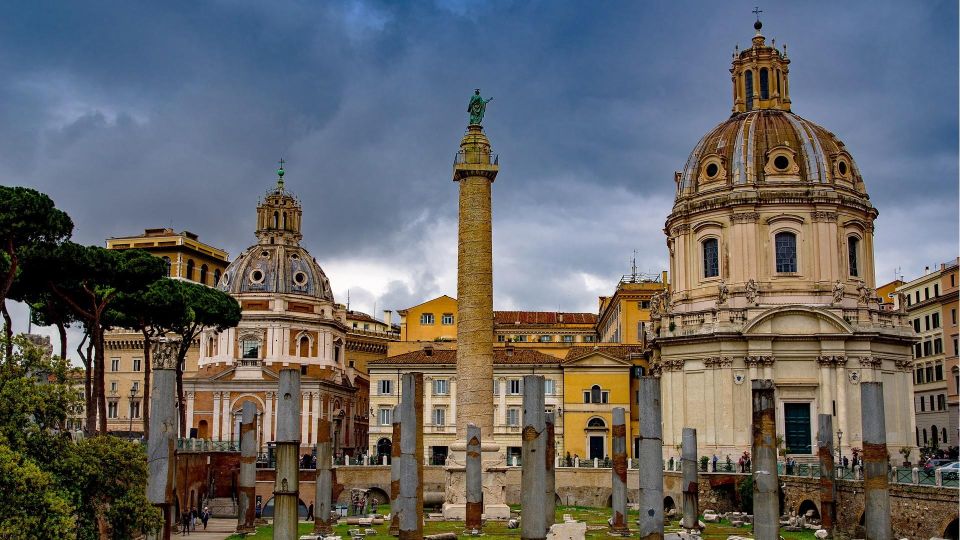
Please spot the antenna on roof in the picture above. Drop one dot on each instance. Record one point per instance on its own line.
(348, 299)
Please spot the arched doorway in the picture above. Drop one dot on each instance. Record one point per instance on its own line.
(668, 505)
(806, 506)
(384, 448)
(301, 509)
(203, 430)
(596, 435)
(952, 532)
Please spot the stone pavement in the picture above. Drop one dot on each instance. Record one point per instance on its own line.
(217, 529)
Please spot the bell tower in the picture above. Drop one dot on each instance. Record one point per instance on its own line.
(279, 215)
(760, 76)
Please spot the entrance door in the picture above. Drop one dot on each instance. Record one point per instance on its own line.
(439, 455)
(384, 448)
(796, 424)
(596, 447)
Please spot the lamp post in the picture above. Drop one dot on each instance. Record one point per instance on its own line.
(133, 395)
(840, 450)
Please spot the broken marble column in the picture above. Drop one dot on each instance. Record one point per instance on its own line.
(394, 529)
(691, 492)
(651, 461)
(533, 473)
(247, 491)
(618, 524)
(827, 475)
(286, 488)
(474, 473)
(766, 484)
(410, 498)
(322, 524)
(876, 496)
(163, 431)
(550, 496)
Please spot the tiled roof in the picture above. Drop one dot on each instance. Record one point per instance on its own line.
(622, 352)
(360, 316)
(501, 356)
(543, 317)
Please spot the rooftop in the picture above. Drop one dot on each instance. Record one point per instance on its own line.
(501, 356)
(542, 317)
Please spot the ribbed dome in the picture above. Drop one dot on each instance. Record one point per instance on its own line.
(271, 268)
(767, 147)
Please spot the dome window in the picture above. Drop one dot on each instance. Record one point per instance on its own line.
(711, 258)
(712, 170)
(256, 276)
(764, 84)
(264, 254)
(853, 255)
(300, 278)
(842, 167)
(781, 163)
(786, 252)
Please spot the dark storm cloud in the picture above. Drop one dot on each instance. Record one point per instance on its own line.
(136, 115)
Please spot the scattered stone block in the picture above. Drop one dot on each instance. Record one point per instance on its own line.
(370, 532)
(310, 537)
(513, 523)
(821, 533)
(571, 530)
(568, 517)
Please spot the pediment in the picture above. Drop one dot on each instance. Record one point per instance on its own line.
(598, 359)
(797, 320)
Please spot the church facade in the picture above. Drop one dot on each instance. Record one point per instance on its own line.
(772, 277)
(289, 319)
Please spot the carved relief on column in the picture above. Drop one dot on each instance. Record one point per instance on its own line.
(832, 360)
(759, 360)
(745, 217)
(829, 217)
(716, 362)
(904, 365)
(870, 362)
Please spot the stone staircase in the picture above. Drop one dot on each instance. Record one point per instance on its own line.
(223, 507)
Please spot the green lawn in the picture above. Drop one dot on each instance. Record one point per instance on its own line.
(596, 519)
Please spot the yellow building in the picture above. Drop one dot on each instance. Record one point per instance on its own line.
(625, 316)
(186, 256)
(595, 380)
(433, 320)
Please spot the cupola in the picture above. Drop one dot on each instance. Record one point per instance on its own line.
(279, 215)
(760, 76)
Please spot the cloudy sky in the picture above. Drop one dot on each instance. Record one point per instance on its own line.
(135, 115)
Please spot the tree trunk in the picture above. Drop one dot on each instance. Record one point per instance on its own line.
(181, 362)
(7, 331)
(146, 384)
(63, 339)
(91, 419)
(99, 371)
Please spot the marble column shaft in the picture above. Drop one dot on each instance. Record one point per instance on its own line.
(766, 484)
(876, 494)
(651, 460)
(619, 473)
(248, 469)
(163, 432)
(287, 485)
(533, 472)
(474, 472)
(324, 482)
(395, 474)
(828, 492)
(550, 495)
(691, 490)
(410, 500)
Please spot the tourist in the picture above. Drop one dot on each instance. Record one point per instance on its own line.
(259, 509)
(715, 460)
(310, 512)
(185, 523)
(205, 516)
(193, 518)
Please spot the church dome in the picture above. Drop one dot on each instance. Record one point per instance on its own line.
(277, 263)
(767, 147)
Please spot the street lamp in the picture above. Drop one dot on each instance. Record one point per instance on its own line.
(133, 395)
(840, 448)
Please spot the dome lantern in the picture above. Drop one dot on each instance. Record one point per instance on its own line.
(279, 215)
(760, 76)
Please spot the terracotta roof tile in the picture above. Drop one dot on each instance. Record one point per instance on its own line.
(622, 352)
(501, 356)
(543, 317)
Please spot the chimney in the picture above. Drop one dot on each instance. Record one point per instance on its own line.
(926, 270)
(388, 317)
(508, 349)
(428, 349)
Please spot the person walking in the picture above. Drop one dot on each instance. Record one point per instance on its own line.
(310, 512)
(193, 518)
(185, 523)
(205, 516)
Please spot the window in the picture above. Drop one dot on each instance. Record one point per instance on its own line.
(936, 289)
(166, 261)
(588, 339)
(778, 81)
(941, 402)
(852, 245)
(426, 318)
(909, 302)
(595, 394)
(114, 364)
(549, 387)
(953, 316)
(385, 416)
(786, 252)
(216, 276)
(935, 318)
(923, 408)
(926, 293)
(135, 387)
(513, 387)
(521, 339)
(917, 294)
(513, 416)
(439, 416)
(137, 364)
(919, 377)
(203, 274)
(937, 347)
(596, 423)
(546, 339)
(304, 346)
(644, 304)
(440, 387)
(386, 387)
(134, 409)
(250, 348)
(567, 339)
(366, 326)
(764, 84)
(748, 86)
(189, 269)
(938, 372)
(916, 351)
(927, 348)
(447, 319)
(112, 409)
(931, 402)
(926, 321)
(113, 387)
(641, 330)
(501, 338)
(928, 374)
(916, 325)
(496, 388)
(711, 258)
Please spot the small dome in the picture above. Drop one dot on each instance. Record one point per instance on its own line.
(767, 147)
(276, 268)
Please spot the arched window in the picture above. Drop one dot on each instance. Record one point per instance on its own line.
(924, 436)
(778, 81)
(596, 423)
(918, 436)
(853, 244)
(595, 394)
(304, 346)
(786, 251)
(166, 260)
(210, 351)
(276, 219)
(189, 269)
(203, 274)
(250, 348)
(934, 436)
(216, 276)
(748, 85)
(764, 84)
(943, 432)
(284, 221)
(711, 258)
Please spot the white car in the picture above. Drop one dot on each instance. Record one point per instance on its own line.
(950, 471)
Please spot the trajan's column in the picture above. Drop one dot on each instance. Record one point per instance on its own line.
(475, 168)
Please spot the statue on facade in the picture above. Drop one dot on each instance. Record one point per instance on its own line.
(838, 291)
(752, 292)
(477, 107)
(722, 292)
(866, 294)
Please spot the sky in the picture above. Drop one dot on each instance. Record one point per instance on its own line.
(134, 115)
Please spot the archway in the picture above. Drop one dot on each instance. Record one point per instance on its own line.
(301, 509)
(806, 506)
(952, 532)
(384, 448)
(668, 504)
(377, 497)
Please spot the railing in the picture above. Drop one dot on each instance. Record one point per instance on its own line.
(207, 445)
(476, 158)
(249, 362)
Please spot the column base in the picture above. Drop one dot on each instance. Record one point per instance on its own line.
(494, 485)
(491, 512)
